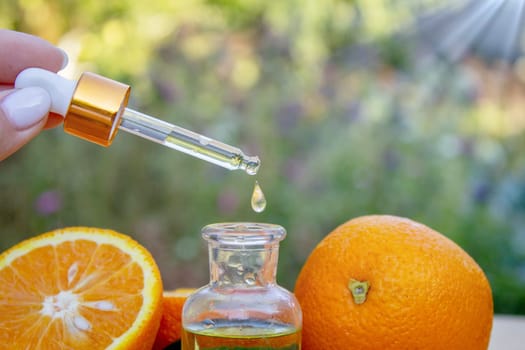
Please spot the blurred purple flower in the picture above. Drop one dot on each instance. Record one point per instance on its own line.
(227, 202)
(353, 111)
(481, 192)
(294, 169)
(167, 90)
(288, 116)
(391, 159)
(327, 87)
(49, 202)
(467, 146)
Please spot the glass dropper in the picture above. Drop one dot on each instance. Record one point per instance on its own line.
(95, 107)
(187, 141)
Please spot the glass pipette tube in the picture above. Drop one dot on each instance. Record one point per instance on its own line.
(187, 141)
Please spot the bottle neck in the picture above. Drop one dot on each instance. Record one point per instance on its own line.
(243, 266)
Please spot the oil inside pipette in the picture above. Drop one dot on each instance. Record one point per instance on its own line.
(258, 199)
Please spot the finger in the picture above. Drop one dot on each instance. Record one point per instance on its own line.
(53, 120)
(23, 114)
(21, 51)
(4, 87)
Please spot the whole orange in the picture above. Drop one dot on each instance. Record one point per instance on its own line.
(385, 282)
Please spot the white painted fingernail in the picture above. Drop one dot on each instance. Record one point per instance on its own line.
(26, 107)
(65, 59)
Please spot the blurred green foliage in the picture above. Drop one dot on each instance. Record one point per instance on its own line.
(346, 119)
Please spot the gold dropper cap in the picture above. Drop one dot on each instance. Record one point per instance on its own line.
(96, 108)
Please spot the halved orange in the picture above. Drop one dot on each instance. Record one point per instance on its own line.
(170, 330)
(79, 288)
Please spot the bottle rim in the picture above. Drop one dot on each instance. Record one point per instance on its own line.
(243, 233)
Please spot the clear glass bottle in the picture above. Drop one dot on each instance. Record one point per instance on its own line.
(242, 307)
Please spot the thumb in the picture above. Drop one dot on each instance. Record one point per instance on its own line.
(23, 114)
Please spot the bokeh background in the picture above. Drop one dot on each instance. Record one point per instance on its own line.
(412, 108)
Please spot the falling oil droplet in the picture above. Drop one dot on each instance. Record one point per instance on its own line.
(258, 199)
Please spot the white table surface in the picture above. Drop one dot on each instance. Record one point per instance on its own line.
(508, 333)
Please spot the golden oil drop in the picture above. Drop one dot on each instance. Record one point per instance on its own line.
(258, 199)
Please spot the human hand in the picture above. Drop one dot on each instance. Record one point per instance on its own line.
(24, 112)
